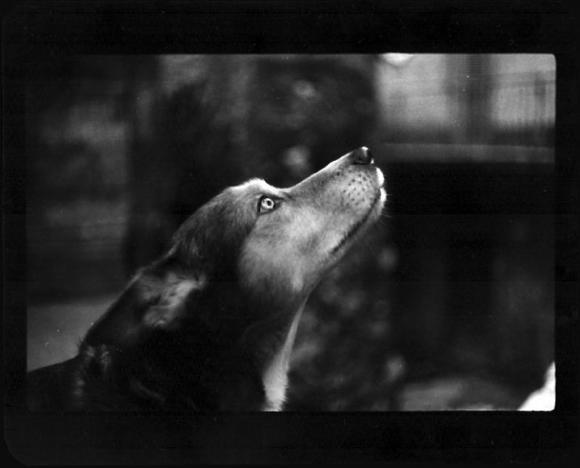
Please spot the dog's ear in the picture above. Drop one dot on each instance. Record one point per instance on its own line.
(157, 298)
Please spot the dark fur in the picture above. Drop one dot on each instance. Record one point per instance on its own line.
(126, 361)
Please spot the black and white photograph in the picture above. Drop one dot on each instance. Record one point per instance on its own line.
(183, 209)
(288, 234)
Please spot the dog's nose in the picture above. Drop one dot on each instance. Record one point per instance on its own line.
(362, 155)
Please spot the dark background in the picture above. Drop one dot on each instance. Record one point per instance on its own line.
(447, 304)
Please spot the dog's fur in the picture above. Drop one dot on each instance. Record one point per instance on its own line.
(211, 324)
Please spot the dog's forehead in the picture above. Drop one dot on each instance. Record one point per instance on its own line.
(254, 187)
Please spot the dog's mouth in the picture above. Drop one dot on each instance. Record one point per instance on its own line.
(356, 227)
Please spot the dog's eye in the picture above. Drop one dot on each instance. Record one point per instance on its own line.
(266, 204)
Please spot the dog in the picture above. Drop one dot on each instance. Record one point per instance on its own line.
(210, 325)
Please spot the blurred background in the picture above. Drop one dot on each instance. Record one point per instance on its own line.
(447, 304)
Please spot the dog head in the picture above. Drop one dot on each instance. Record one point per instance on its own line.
(300, 232)
(252, 250)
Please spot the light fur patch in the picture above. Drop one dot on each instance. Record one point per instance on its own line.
(275, 377)
(170, 305)
(381, 177)
(256, 185)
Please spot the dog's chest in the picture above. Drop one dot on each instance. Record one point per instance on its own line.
(275, 377)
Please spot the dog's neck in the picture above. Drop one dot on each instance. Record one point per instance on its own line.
(275, 374)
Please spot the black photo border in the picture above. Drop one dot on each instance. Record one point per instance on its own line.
(131, 27)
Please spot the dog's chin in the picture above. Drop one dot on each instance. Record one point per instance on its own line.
(360, 226)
